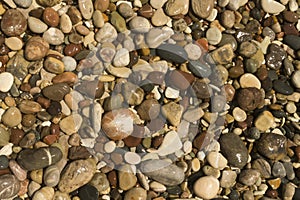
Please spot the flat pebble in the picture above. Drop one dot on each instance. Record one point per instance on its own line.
(6, 81)
(14, 43)
(213, 36)
(56, 92)
(106, 34)
(173, 112)
(201, 8)
(65, 23)
(51, 176)
(98, 19)
(135, 194)
(86, 8)
(264, 121)
(100, 181)
(36, 25)
(46, 193)
(20, 173)
(223, 55)
(249, 80)
(12, 117)
(228, 178)
(272, 7)
(132, 158)
(47, 3)
(278, 170)
(216, 160)
(71, 124)
(239, 114)
(206, 187)
(54, 36)
(139, 24)
(263, 167)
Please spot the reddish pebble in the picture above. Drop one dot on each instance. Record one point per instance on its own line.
(51, 17)
(72, 49)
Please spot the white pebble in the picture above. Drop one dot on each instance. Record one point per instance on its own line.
(6, 81)
(239, 115)
(193, 51)
(109, 147)
(187, 147)
(172, 93)
(132, 158)
(170, 144)
(70, 63)
(216, 160)
(272, 7)
(249, 80)
(213, 36)
(293, 5)
(121, 58)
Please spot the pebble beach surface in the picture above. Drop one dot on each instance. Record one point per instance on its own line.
(149, 99)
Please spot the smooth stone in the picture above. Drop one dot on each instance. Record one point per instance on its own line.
(264, 121)
(127, 179)
(125, 10)
(163, 172)
(86, 8)
(172, 52)
(239, 115)
(13, 23)
(233, 148)
(228, 178)
(173, 112)
(122, 72)
(272, 7)
(157, 4)
(216, 160)
(278, 170)
(157, 36)
(199, 69)
(171, 143)
(61, 196)
(33, 187)
(289, 168)
(149, 109)
(51, 176)
(206, 187)
(20, 173)
(100, 182)
(293, 41)
(54, 36)
(132, 158)
(272, 146)
(118, 22)
(36, 48)
(48, 3)
(263, 167)
(295, 79)
(249, 176)
(36, 25)
(192, 115)
(23, 3)
(235, 4)
(202, 8)
(4, 162)
(50, 17)
(65, 23)
(249, 98)
(159, 18)
(56, 92)
(249, 80)
(139, 24)
(71, 124)
(213, 35)
(228, 39)
(46, 193)
(9, 186)
(177, 7)
(93, 89)
(12, 117)
(223, 55)
(193, 51)
(228, 18)
(33, 159)
(77, 174)
(282, 87)
(121, 58)
(88, 192)
(101, 5)
(6, 81)
(136, 194)
(14, 43)
(118, 124)
(98, 19)
(107, 33)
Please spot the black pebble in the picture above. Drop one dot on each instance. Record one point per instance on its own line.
(88, 192)
(3, 162)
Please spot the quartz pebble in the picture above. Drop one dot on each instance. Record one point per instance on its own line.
(6, 81)
(216, 160)
(272, 6)
(206, 187)
(249, 80)
(54, 36)
(9, 186)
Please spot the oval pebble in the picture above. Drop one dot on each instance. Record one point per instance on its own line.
(6, 81)
(206, 187)
(54, 36)
(9, 186)
(249, 80)
(36, 25)
(132, 158)
(14, 43)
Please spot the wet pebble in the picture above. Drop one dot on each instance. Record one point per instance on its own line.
(36, 48)
(6, 81)
(56, 92)
(12, 117)
(172, 53)
(127, 179)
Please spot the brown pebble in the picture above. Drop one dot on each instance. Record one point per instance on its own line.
(74, 15)
(45, 103)
(93, 89)
(13, 23)
(67, 77)
(16, 135)
(136, 137)
(146, 11)
(180, 79)
(28, 120)
(249, 98)
(156, 141)
(36, 48)
(72, 49)
(83, 30)
(101, 5)
(79, 152)
(156, 77)
(51, 17)
(112, 178)
(230, 92)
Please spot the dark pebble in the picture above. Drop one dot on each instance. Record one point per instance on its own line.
(293, 41)
(249, 98)
(13, 23)
(88, 192)
(57, 91)
(263, 167)
(253, 133)
(199, 69)
(174, 190)
(234, 195)
(172, 52)
(80, 152)
(3, 162)
(202, 90)
(282, 87)
(54, 108)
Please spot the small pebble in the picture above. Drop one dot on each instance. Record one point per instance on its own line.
(206, 187)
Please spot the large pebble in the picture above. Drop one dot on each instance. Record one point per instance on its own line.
(14, 43)
(272, 146)
(139, 24)
(233, 148)
(13, 23)
(77, 174)
(20, 173)
(159, 18)
(201, 70)
(107, 33)
(295, 79)
(173, 112)
(163, 172)
(36, 48)
(136, 194)
(118, 21)
(271, 6)
(12, 117)
(51, 176)
(9, 186)
(65, 23)
(202, 8)
(71, 124)
(45, 193)
(206, 187)
(33, 159)
(171, 143)
(54, 36)
(250, 98)
(149, 109)
(156, 37)
(293, 41)
(228, 178)
(121, 58)
(249, 80)
(177, 7)
(216, 160)
(127, 179)
(23, 3)
(213, 35)
(264, 121)
(57, 91)
(6, 81)
(54, 65)
(98, 19)
(86, 8)
(249, 176)
(172, 52)
(36, 25)
(223, 55)
(101, 182)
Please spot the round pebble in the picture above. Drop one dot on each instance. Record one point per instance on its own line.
(206, 187)
(132, 158)
(213, 36)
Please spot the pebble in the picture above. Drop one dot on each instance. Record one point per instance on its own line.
(14, 43)
(4, 162)
(126, 10)
(295, 79)
(206, 187)
(170, 144)
(239, 115)
(193, 51)
(163, 172)
(118, 124)
(249, 80)
(228, 178)
(86, 8)
(47, 3)
(33, 159)
(264, 121)
(213, 36)
(249, 176)
(20, 173)
(136, 193)
(36, 25)
(172, 52)
(106, 34)
(159, 18)
(77, 174)
(23, 3)
(127, 179)
(6, 81)
(100, 182)
(139, 24)
(216, 160)
(71, 124)
(121, 58)
(46, 193)
(9, 186)
(201, 8)
(272, 146)
(177, 7)
(98, 19)
(228, 18)
(54, 36)
(278, 170)
(263, 167)
(192, 115)
(13, 23)
(88, 192)
(223, 55)
(199, 69)
(51, 17)
(101, 5)
(56, 92)
(61, 196)
(51, 176)
(173, 112)
(12, 117)
(293, 41)
(36, 48)
(118, 22)
(65, 23)
(54, 65)
(272, 7)
(132, 158)
(249, 98)
(233, 148)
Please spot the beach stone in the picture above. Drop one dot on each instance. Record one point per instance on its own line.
(121, 58)
(20, 173)
(13, 23)
(65, 23)
(249, 98)
(118, 124)
(36, 25)
(172, 52)
(193, 51)
(98, 19)
(228, 18)
(23, 3)
(216, 160)
(159, 18)
(4, 162)
(46, 193)
(264, 121)
(9, 186)
(51, 176)
(272, 7)
(295, 78)
(86, 8)
(199, 69)
(100, 182)
(233, 148)
(228, 178)
(163, 172)
(206, 187)
(88, 192)
(48, 3)
(36, 48)
(170, 144)
(106, 34)
(149, 109)
(213, 36)
(239, 115)
(118, 22)
(54, 65)
(127, 179)
(139, 24)
(4, 137)
(93, 89)
(177, 7)
(282, 87)
(14, 43)
(77, 174)
(61, 196)
(247, 49)
(33, 159)
(278, 170)
(293, 41)
(146, 11)
(126, 11)
(157, 4)
(71, 124)
(201, 8)
(56, 92)
(173, 112)
(50, 17)
(272, 146)
(12, 117)
(249, 176)
(136, 194)
(263, 167)
(228, 39)
(54, 36)
(74, 15)
(6, 81)
(248, 80)
(101, 5)
(223, 55)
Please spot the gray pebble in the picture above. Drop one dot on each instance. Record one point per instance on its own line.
(278, 170)
(23, 3)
